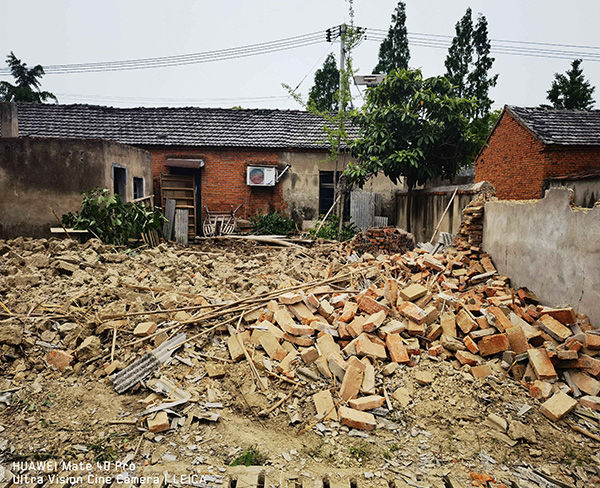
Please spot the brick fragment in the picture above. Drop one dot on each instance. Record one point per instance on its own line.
(412, 312)
(557, 406)
(365, 347)
(465, 322)
(554, 328)
(516, 339)
(415, 329)
(502, 321)
(396, 348)
(144, 329)
(302, 313)
(159, 422)
(413, 292)
(235, 347)
(61, 360)
(368, 384)
(471, 345)
(540, 362)
(565, 315)
(374, 321)
(367, 403)
(592, 341)
(290, 298)
(481, 371)
(591, 402)
(434, 332)
(324, 405)
(448, 323)
(357, 363)
(349, 311)
(586, 383)
(309, 355)
(493, 344)
(351, 383)
(371, 306)
(465, 357)
(301, 340)
(272, 347)
(356, 419)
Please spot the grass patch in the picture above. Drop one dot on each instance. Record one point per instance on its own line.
(250, 457)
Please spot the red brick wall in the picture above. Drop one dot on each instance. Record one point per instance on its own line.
(517, 163)
(223, 178)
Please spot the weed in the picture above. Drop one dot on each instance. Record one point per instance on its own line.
(272, 223)
(329, 229)
(360, 451)
(250, 457)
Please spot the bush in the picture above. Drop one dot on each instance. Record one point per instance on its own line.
(329, 229)
(272, 223)
(110, 219)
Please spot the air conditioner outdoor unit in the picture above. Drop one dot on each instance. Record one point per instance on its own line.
(261, 176)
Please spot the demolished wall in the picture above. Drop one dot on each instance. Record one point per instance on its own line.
(549, 247)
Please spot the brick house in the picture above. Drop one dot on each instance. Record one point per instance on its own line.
(530, 146)
(210, 150)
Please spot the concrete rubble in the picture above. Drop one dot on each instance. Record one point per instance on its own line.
(430, 367)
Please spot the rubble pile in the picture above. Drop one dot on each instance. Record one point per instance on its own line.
(387, 240)
(222, 346)
(452, 306)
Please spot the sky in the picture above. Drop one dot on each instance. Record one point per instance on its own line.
(50, 32)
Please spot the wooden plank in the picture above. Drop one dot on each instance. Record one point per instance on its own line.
(170, 215)
(181, 226)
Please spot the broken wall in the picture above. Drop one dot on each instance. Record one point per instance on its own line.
(428, 206)
(38, 175)
(549, 247)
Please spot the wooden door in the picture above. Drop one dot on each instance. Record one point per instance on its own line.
(181, 188)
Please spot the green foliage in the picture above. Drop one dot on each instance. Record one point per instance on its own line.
(394, 52)
(571, 90)
(272, 223)
(110, 219)
(250, 457)
(360, 452)
(323, 96)
(468, 63)
(413, 128)
(329, 230)
(27, 87)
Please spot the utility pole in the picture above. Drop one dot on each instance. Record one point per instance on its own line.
(341, 107)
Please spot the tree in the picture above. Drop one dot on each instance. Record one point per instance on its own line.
(571, 91)
(27, 87)
(468, 63)
(393, 51)
(413, 128)
(323, 95)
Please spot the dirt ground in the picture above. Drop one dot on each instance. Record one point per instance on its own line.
(55, 294)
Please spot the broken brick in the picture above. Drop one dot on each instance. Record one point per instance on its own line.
(324, 405)
(61, 360)
(309, 355)
(554, 328)
(586, 383)
(365, 347)
(144, 329)
(351, 383)
(516, 339)
(557, 406)
(396, 348)
(412, 312)
(540, 362)
(367, 403)
(374, 321)
(349, 311)
(159, 422)
(465, 322)
(272, 347)
(493, 344)
(371, 306)
(448, 323)
(413, 292)
(356, 419)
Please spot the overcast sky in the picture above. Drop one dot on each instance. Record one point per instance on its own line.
(51, 32)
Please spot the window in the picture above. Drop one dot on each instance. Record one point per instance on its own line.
(326, 191)
(138, 187)
(119, 181)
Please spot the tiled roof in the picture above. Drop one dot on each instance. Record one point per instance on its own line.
(562, 127)
(181, 126)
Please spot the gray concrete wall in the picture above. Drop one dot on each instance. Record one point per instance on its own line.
(586, 191)
(301, 185)
(38, 175)
(549, 247)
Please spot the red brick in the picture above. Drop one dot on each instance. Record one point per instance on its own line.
(351, 383)
(540, 362)
(517, 340)
(396, 348)
(367, 403)
(61, 360)
(493, 344)
(559, 405)
(366, 347)
(356, 419)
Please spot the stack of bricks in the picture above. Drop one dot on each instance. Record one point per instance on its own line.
(470, 233)
(386, 240)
